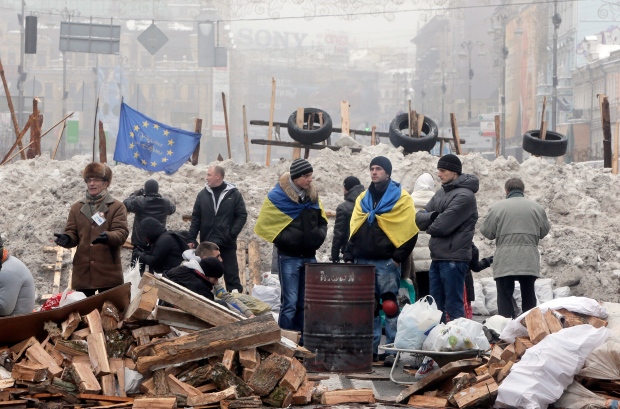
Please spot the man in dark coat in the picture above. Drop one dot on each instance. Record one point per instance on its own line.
(293, 219)
(165, 248)
(147, 202)
(198, 276)
(97, 226)
(219, 215)
(352, 188)
(450, 219)
(383, 233)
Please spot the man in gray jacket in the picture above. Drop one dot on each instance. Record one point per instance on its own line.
(450, 219)
(17, 292)
(516, 224)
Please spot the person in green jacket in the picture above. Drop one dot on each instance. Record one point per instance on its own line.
(516, 224)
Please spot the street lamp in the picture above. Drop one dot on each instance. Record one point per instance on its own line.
(469, 45)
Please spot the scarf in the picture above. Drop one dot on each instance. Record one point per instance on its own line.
(300, 192)
(95, 204)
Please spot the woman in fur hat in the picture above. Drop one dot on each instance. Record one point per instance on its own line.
(97, 225)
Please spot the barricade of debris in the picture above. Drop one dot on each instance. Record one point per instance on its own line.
(150, 356)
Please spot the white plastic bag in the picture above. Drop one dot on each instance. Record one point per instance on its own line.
(478, 306)
(561, 292)
(133, 380)
(474, 329)
(490, 294)
(603, 362)
(544, 289)
(270, 280)
(414, 320)
(132, 275)
(448, 338)
(269, 295)
(547, 368)
(68, 297)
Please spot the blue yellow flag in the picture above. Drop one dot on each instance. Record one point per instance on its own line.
(151, 145)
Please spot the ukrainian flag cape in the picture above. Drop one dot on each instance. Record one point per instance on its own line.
(394, 213)
(278, 211)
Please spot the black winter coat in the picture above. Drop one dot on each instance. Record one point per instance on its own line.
(218, 223)
(192, 280)
(152, 205)
(452, 231)
(342, 226)
(166, 248)
(476, 265)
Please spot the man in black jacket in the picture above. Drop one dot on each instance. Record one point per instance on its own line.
(450, 219)
(165, 249)
(147, 202)
(219, 214)
(352, 188)
(293, 218)
(383, 233)
(198, 276)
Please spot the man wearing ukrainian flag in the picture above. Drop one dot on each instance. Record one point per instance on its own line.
(383, 233)
(292, 218)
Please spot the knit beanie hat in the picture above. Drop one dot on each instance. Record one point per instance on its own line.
(300, 167)
(450, 162)
(383, 162)
(351, 181)
(212, 267)
(151, 186)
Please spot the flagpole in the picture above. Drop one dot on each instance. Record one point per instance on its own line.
(95, 125)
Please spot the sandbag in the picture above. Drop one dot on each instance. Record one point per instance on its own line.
(254, 304)
(478, 305)
(475, 331)
(490, 294)
(576, 396)
(603, 362)
(413, 322)
(544, 289)
(561, 292)
(448, 338)
(269, 295)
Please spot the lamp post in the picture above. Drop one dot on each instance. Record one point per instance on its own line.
(469, 46)
(557, 20)
(443, 96)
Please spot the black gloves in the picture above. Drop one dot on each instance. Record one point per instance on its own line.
(434, 216)
(489, 260)
(63, 240)
(101, 239)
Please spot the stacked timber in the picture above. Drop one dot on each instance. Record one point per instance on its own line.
(196, 354)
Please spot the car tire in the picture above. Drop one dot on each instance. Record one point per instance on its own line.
(554, 144)
(426, 142)
(310, 136)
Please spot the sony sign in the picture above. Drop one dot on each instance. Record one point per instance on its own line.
(269, 39)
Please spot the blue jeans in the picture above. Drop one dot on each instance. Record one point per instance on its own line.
(447, 283)
(293, 285)
(387, 280)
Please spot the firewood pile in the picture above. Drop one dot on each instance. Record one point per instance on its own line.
(474, 382)
(198, 354)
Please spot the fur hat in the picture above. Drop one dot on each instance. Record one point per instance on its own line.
(97, 170)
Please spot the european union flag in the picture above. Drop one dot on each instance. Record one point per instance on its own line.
(151, 145)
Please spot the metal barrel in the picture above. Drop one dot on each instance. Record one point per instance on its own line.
(338, 317)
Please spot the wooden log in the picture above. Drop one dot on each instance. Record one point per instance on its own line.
(344, 116)
(503, 373)
(421, 401)
(108, 385)
(81, 334)
(537, 328)
(497, 136)
(70, 324)
(224, 378)
(455, 133)
(247, 374)
(508, 353)
(495, 368)
(84, 378)
(110, 316)
(249, 402)
(38, 355)
(105, 398)
(177, 318)
(160, 383)
(348, 396)
(94, 322)
(155, 403)
(570, 319)
(226, 125)
(303, 395)
(196, 153)
(249, 358)
(98, 354)
(552, 322)
(280, 397)
(197, 376)
(228, 359)
(208, 387)
(143, 304)
(210, 342)
(476, 395)
(268, 374)
(117, 366)
(596, 322)
(29, 371)
(103, 155)
(294, 336)
(156, 331)
(481, 370)
(299, 121)
(14, 404)
(210, 398)
(496, 354)
(521, 345)
(295, 376)
(181, 388)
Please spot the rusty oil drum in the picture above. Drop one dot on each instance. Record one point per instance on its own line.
(338, 317)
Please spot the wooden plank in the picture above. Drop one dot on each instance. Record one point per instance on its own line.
(496, 354)
(421, 401)
(106, 398)
(303, 396)
(295, 376)
(596, 322)
(177, 318)
(504, 371)
(455, 133)
(299, 121)
(84, 378)
(344, 115)
(542, 113)
(226, 125)
(38, 355)
(181, 388)
(70, 324)
(521, 346)
(110, 317)
(155, 331)
(228, 359)
(543, 131)
(304, 146)
(475, 395)
(209, 398)
(497, 135)
(348, 396)
(268, 374)
(155, 403)
(280, 397)
(270, 128)
(117, 366)
(420, 124)
(210, 342)
(224, 378)
(508, 353)
(536, 326)
(254, 262)
(373, 137)
(12, 111)
(97, 353)
(143, 304)
(249, 358)
(80, 335)
(108, 385)
(294, 336)
(196, 153)
(247, 374)
(552, 322)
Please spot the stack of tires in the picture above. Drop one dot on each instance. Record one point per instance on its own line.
(426, 141)
(554, 144)
(317, 134)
